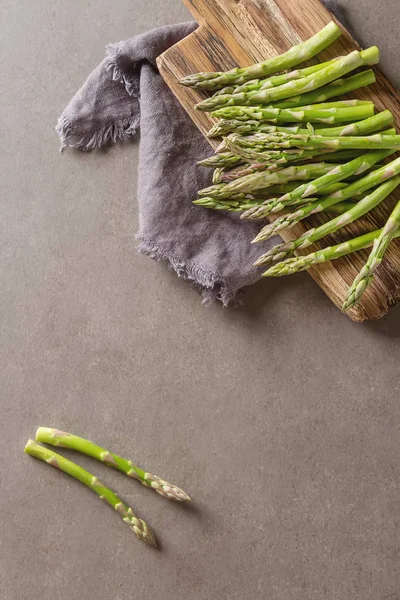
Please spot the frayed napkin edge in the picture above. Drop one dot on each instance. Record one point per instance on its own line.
(108, 134)
(212, 286)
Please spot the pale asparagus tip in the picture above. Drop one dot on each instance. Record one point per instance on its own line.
(167, 490)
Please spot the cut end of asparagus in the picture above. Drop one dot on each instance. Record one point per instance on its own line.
(29, 446)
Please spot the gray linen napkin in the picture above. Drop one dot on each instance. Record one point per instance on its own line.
(125, 93)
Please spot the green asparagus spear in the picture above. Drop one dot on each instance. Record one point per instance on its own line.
(332, 90)
(138, 526)
(369, 125)
(294, 56)
(261, 96)
(312, 235)
(349, 63)
(274, 81)
(228, 125)
(354, 189)
(271, 160)
(336, 88)
(247, 169)
(266, 178)
(230, 205)
(381, 244)
(378, 141)
(235, 205)
(357, 166)
(68, 440)
(225, 159)
(254, 97)
(308, 115)
(301, 263)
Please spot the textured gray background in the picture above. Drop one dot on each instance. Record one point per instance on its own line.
(281, 418)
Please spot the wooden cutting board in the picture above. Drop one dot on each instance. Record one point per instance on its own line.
(241, 32)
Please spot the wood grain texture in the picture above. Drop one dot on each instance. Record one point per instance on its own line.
(242, 32)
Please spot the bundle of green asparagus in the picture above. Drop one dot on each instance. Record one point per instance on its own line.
(58, 438)
(287, 152)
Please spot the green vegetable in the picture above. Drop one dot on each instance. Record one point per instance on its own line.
(68, 440)
(138, 526)
(294, 56)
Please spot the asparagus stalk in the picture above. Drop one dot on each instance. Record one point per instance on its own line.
(253, 97)
(138, 526)
(238, 206)
(301, 263)
(332, 90)
(56, 437)
(223, 159)
(256, 181)
(377, 141)
(354, 189)
(294, 56)
(305, 115)
(282, 188)
(255, 167)
(274, 81)
(357, 166)
(341, 67)
(268, 159)
(228, 204)
(369, 125)
(218, 174)
(381, 244)
(228, 125)
(281, 251)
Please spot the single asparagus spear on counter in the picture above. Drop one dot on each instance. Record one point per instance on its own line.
(138, 526)
(264, 179)
(312, 235)
(301, 263)
(381, 244)
(294, 56)
(262, 95)
(68, 440)
(295, 115)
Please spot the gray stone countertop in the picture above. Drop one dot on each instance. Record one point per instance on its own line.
(281, 418)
